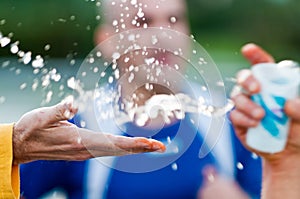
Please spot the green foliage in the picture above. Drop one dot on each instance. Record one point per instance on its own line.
(68, 25)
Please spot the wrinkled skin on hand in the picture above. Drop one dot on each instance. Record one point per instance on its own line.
(45, 134)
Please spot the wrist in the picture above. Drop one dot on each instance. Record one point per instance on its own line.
(281, 177)
(16, 142)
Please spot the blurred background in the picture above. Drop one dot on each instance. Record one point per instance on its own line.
(62, 32)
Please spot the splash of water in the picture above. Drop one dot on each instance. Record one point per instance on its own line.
(37, 63)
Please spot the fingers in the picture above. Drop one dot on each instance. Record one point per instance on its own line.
(256, 54)
(62, 111)
(247, 114)
(292, 109)
(242, 120)
(248, 82)
(245, 105)
(101, 144)
(128, 145)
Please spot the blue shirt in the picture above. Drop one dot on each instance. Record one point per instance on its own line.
(180, 175)
(180, 178)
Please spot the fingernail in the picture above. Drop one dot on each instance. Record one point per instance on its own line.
(158, 147)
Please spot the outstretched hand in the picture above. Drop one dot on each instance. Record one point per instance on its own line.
(45, 134)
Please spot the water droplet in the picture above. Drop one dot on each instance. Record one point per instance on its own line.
(116, 55)
(38, 62)
(36, 71)
(131, 77)
(126, 60)
(154, 39)
(56, 77)
(14, 47)
(4, 41)
(2, 99)
(21, 53)
(240, 166)
(102, 74)
(173, 19)
(115, 23)
(18, 71)
(110, 79)
(91, 60)
(150, 60)
(26, 58)
(169, 140)
(72, 62)
(140, 13)
(98, 54)
(49, 96)
(117, 74)
(5, 64)
(23, 86)
(34, 85)
(174, 166)
(62, 20)
(82, 124)
(72, 17)
(254, 156)
(71, 83)
(47, 47)
(2, 22)
(133, 2)
(95, 70)
(220, 83)
(45, 81)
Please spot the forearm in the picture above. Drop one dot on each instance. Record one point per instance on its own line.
(281, 179)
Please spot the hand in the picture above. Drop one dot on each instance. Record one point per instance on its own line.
(248, 114)
(216, 186)
(281, 172)
(45, 134)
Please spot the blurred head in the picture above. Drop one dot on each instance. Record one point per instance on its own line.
(121, 16)
(124, 15)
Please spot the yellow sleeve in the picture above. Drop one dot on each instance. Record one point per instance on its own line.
(9, 174)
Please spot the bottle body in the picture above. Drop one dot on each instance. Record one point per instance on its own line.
(278, 84)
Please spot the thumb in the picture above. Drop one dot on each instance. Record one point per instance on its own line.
(65, 110)
(292, 108)
(255, 54)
